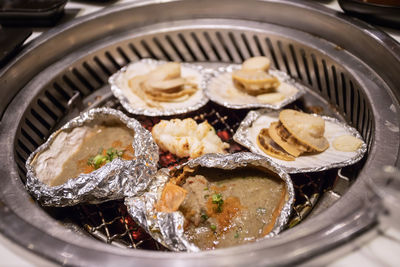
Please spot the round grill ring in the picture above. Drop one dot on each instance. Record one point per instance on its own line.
(337, 73)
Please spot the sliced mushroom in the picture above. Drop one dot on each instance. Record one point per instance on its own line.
(257, 63)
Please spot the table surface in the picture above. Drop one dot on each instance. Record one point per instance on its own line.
(382, 250)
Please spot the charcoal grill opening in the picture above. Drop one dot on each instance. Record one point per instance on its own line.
(66, 71)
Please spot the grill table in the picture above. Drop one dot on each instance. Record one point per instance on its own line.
(382, 249)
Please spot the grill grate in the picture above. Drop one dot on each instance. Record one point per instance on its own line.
(85, 76)
(89, 72)
(110, 223)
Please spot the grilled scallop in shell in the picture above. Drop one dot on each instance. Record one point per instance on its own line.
(300, 142)
(157, 88)
(252, 85)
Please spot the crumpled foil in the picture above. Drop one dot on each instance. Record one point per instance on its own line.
(148, 111)
(318, 162)
(282, 76)
(115, 180)
(167, 228)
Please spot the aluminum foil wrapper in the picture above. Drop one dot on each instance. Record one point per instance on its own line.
(167, 228)
(248, 130)
(115, 180)
(221, 80)
(120, 89)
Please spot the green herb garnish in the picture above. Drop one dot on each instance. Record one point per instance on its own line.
(205, 188)
(204, 217)
(217, 199)
(236, 235)
(213, 227)
(98, 160)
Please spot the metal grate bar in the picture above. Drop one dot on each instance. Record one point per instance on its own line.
(176, 48)
(315, 74)
(202, 45)
(41, 120)
(124, 56)
(327, 80)
(61, 91)
(250, 47)
(102, 66)
(116, 62)
(23, 150)
(361, 112)
(272, 53)
(306, 67)
(188, 43)
(240, 48)
(74, 84)
(150, 51)
(56, 100)
(84, 81)
(284, 55)
(135, 51)
(34, 129)
(229, 49)
(165, 54)
(260, 50)
(27, 143)
(218, 50)
(48, 110)
(295, 61)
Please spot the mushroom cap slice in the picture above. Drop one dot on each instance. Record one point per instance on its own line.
(255, 82)
(167, 71)
(171, 85)
(267, 145)
(289, 148)
(308, 129)
(257, 63)
(271, 98)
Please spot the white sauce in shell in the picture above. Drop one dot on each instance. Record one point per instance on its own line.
(49, 163)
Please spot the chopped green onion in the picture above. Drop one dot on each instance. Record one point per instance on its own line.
(217, 199)
(98, 160)
(90, 160)
(213, 227)
(205, 188)
(204, 217)
(236, 235)
(206, 196)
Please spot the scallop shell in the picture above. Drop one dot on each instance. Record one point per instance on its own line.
(221, 90)
(135, 105)
(114, 180)
(167, 228)
(248, 130)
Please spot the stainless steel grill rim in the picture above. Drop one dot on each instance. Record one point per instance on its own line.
(312, 237)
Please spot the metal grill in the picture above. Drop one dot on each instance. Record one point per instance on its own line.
(66, 70)
(86, 75)
(110, 223)
(78, 82)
